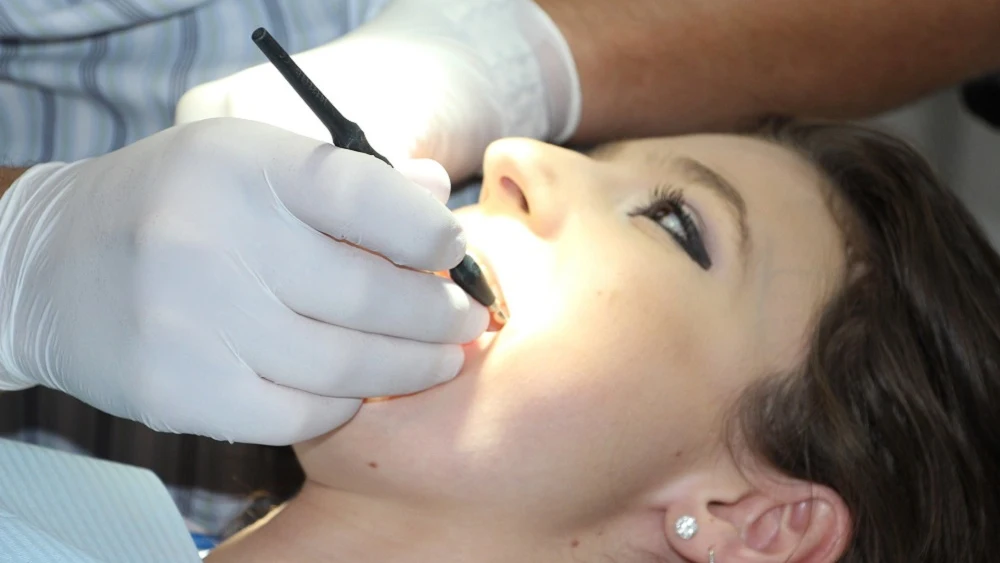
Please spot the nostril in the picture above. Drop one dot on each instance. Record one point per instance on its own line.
(514, 191)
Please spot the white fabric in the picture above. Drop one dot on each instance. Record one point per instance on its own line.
(189, 281)
(63, 508)
(205, 511)
(427, 78)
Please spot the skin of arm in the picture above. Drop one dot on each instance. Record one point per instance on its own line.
(7, 177)
(660, 67)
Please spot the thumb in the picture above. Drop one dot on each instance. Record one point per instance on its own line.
(428, 174)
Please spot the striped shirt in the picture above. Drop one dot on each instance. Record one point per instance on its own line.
(80, 78)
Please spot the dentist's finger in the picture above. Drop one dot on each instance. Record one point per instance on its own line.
(332, 361)
(429, 174)
(346, 286)
(357, 198)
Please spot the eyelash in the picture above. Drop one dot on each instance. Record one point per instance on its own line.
(665, 202)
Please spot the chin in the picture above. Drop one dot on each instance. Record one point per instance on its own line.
(405, 445)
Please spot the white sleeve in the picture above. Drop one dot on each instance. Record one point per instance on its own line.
(64, 508)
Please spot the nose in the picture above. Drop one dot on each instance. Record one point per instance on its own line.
(523, 178)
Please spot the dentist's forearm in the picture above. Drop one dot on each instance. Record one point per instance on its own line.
(671, 66)
(7, 177)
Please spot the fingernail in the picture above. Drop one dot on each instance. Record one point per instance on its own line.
(459, 245)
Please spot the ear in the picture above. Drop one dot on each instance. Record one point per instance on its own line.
(771, 521)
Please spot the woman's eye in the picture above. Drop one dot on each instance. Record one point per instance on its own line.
(672, 222)
(670, 212)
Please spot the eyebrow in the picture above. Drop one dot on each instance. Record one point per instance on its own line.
(697, 172)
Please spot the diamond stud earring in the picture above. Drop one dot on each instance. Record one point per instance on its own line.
(686, 527)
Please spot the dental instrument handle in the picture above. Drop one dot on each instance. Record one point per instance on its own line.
(469, 276)
(347, 134)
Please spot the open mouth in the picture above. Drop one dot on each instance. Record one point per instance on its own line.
(491, 279)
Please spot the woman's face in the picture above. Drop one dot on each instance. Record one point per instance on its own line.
(635, 320)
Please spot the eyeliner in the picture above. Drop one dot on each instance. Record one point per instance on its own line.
(348, 135)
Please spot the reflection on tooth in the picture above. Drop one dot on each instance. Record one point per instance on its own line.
(498, 314)
(498, 318)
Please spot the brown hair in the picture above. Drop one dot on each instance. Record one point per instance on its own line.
(896, 405)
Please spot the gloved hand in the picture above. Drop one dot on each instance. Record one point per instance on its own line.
(426, 79)
(190, 281)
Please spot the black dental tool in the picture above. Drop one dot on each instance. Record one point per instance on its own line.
(347, 135)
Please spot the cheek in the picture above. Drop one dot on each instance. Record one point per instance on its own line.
(604, 385)
(581, 402)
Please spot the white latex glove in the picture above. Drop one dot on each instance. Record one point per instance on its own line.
(434, 79)
(189, 281)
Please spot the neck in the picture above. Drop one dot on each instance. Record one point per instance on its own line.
(333, 526)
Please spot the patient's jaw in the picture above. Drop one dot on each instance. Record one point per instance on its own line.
(574, 427)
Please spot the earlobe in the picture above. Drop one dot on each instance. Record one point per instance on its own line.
(693, 537)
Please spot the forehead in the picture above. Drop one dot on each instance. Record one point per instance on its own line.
(741, 156)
